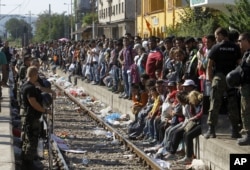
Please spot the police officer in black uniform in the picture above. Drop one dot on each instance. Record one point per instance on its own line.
(223, 58)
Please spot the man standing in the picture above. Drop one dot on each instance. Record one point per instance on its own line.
(223, 57)
(155, 58)
(32, 98)
(244, 42)
(126, 59)
(5, 67)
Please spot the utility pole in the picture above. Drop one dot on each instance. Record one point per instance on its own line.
(71, 22)
(49, 22)
(64, 25)
(110, 14)
(71, 19)
(92, 2)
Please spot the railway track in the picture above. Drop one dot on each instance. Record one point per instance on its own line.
(88, 142)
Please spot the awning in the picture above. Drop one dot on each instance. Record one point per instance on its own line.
(81, 30)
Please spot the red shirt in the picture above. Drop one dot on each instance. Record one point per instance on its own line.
(154, 62)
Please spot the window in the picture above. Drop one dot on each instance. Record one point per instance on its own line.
(156, 5)
(119, 8)
(122, 7)
(116, 9)
(113, 11)
(178, 3)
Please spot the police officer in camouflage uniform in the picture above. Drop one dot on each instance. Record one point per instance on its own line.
(31, 97)
(223, 57)
(21, 79)
(244, 43)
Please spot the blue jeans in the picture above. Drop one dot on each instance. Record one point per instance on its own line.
(115, 76)
(126, 78)
(149, 127)
(95, 73)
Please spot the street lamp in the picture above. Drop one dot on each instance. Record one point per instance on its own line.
(64, 27)
(71, 20)
(0, 7)
(29, 31)
(92, 2)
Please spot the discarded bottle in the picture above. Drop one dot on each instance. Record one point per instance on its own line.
(85, 161)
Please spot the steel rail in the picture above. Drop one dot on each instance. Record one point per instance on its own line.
(129, 145)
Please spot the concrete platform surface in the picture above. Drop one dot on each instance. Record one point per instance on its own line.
(7, 159)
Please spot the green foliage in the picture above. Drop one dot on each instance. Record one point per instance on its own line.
(88, 18)
(237, 16)
(17, 27)
(59, 24)
(195, 22)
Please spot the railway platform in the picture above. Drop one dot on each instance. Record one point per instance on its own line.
(7, 159)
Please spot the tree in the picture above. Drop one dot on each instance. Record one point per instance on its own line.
(196, 22)
(58, 24)
(17, 28)
(88, 18)
(237, 16)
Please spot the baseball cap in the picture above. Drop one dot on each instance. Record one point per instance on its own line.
(137, 46)
(188, 82)
(171, 83)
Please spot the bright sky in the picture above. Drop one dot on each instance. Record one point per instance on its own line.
(35, 7)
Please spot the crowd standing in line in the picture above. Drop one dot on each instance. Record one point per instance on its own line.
(171, 81)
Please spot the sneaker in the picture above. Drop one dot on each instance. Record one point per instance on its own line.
(149, 139)
(140, 137)
(151, 149)
(122, 95)
(125, 96)
(153, 141)
(170, 157)
(93, 83)
(184, 160)
(163, 151)
(145, 137)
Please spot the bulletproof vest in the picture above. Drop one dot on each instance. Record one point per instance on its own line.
(29, 111)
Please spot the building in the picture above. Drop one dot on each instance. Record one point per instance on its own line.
(155, 16)
(216, 4)
(82, 7)
(116, 17)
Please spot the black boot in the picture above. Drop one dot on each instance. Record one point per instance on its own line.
(235, 132)
(210, 133)
(27, 165)
(245, 140)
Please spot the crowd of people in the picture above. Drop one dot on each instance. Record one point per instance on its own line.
(168, 81)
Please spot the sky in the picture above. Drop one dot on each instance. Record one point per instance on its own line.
(34, 7)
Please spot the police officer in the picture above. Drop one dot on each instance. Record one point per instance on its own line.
(32, 98)
(223, 57)
(244, 43)
(21, 79)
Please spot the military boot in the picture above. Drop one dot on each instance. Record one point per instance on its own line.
(235, 132)
(27, 165)
(210, 132)
(245, 140)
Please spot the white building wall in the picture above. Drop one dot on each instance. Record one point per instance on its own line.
(120, 8)
(121, 18)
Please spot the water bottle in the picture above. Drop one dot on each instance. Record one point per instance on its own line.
(248, 61)
(40, 148)
(207, 88)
